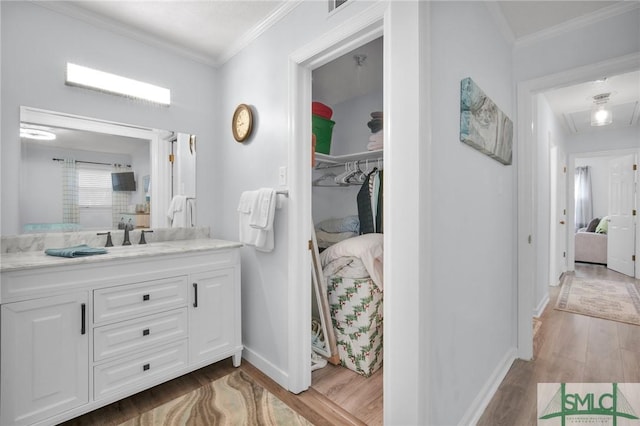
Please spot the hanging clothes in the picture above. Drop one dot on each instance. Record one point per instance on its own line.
(369, 200)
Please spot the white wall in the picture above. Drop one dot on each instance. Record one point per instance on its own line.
(473, 220)
(604, 140)
(259, 76)
(579, 46)
(37, 80)
(351, 133)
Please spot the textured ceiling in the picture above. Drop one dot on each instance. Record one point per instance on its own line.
(205, 29)
(529, 17)
(210, 29)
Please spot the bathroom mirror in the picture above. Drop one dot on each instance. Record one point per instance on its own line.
(83, 174)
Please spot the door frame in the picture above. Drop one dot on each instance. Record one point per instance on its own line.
(528, 173)
(301, 64)
(571, 164)
(406, 93)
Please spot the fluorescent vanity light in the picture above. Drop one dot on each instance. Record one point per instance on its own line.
(93, 79)
(37, 134)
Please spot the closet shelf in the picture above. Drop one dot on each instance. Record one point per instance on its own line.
(325, 160)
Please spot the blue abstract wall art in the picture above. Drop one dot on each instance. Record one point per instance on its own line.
(483, 125)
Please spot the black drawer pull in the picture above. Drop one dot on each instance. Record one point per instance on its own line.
(83, 315)
(145, 297)
(146, 367)
(195, 299)
(145, 332)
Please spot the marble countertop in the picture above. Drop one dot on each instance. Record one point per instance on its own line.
(38, 259)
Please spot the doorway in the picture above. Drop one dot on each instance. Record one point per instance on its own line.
(347, 94)
(529, 173)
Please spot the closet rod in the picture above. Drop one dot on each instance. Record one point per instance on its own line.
(327, 165)
(94, 162)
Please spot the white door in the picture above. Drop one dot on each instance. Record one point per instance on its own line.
(621, 232)
(212, 316)
(558, 203)
(45, 358)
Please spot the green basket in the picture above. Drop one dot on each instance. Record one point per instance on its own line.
(322, 128)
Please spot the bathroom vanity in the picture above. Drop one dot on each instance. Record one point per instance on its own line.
(81, 333)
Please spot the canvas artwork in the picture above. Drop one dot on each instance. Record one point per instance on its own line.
(483, 125)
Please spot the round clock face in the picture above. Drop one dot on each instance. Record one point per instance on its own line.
(242, 123)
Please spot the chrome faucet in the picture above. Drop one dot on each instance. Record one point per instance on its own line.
(126, 241)
(142, 240)
(109, 242)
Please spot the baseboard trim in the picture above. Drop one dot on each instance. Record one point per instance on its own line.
(537, 312)
(480, 403)
(273, 372)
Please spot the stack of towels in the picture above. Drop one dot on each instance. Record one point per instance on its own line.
(376, 140)
(332, 231)
(256, 211)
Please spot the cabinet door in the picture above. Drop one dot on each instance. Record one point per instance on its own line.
(45, 350)
(213, 323)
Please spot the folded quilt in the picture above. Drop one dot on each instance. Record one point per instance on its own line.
(75, 251)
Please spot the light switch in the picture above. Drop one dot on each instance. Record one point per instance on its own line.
(282, 176)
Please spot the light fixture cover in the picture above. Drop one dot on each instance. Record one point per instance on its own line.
(601, 115)
(78, 75)
(37, 134)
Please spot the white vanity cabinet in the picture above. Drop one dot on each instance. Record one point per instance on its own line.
(211, 290)
(45, 368)
(78, 335)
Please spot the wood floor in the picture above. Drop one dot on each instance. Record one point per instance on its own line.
(568, 348)
(332, 386)
(360, 396)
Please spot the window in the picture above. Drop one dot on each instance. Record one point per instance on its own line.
(94, 187)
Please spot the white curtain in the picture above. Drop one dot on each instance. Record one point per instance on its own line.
(584, 203)
(70, 211)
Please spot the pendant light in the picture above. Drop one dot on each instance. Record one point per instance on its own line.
(601, 114)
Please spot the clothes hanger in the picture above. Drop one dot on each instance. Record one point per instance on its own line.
(326, 177)
(350, 171)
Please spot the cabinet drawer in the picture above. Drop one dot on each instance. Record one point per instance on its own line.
(117, 303)
(128, 373)
(128, 336)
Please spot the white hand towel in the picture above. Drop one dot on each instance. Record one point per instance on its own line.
(246, 202)
(177, 213)
(262, 213)
(261, 239)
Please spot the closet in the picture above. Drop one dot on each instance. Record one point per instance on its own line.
(347, 200)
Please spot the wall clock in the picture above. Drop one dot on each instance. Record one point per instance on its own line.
(242, 122)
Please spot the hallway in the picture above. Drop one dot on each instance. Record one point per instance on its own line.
(567, 348)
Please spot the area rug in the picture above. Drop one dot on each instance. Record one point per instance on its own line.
(235, 399)
(612, 300)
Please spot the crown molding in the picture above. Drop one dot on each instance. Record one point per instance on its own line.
(577, 23)
(279, 13)
(112, 25)
(500, 21)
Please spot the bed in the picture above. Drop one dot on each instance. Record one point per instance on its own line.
(353, 271)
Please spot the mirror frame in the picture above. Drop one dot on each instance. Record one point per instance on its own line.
(160, 193)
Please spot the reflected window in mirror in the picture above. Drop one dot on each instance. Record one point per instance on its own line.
(67, 183)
